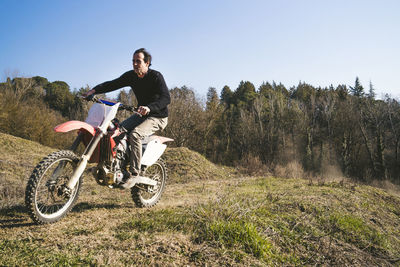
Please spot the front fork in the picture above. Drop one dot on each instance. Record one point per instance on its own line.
(84, 159)
(76, 143)
(61, 166)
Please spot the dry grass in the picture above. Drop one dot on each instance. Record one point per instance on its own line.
(185, 165)
(388, 186)
(18, 157)
(205, 219)
(210, 223)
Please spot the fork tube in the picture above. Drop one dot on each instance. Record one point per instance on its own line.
(84, 160)
(77, 141)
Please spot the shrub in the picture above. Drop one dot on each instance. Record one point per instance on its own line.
(31, 120)
(252, 165)
(293, 169)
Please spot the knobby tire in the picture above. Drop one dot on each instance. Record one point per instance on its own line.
(40, 213)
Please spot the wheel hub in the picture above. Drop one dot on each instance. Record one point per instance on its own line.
(64, 191)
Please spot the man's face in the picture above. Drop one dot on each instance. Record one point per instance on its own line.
(139, 66)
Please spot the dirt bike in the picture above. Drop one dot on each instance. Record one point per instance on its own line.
(54, 184)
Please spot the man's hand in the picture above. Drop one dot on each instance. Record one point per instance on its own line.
(88, 94)
(143, 110)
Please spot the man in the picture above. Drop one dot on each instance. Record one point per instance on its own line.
(153, 98)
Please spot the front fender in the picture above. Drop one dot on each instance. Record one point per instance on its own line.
(74, 125)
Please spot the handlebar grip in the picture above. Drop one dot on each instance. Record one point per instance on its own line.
(89, 97)
(125, 107)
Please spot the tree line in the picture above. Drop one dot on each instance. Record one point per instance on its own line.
(343, 126)
(31, 107)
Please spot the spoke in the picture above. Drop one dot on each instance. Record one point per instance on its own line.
(43, 198)
(52, 196)
(45, 208)
(45, 189)
(39, 207)
(155, 172)
(48, 202)
(52, 208)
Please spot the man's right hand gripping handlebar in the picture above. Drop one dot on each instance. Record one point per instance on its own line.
(89, 95)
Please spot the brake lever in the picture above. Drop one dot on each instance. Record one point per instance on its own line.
(91, 97)
(135, 110)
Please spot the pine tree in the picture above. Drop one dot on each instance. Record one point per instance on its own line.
(244, 94)
(358, 89)
(212, 99)
(371, 93)
(226, 96)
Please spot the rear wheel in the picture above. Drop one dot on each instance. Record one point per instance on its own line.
(46, 196)
(146, 196)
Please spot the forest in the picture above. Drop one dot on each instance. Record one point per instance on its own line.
(270, 128)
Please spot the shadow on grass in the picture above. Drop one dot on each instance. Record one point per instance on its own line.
(91, 206)
(12, 211)
(14, 217)
(11, 224)
(17, 216)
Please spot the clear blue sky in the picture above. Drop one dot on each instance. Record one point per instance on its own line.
(206, 43)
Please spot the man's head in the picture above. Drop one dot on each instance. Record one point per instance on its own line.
(141, 62)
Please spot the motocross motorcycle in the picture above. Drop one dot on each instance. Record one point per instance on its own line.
(54, 184)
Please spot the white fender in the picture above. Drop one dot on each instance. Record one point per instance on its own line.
(153, 152)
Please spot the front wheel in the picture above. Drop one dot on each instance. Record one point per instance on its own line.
(46, 196)
(146, 196)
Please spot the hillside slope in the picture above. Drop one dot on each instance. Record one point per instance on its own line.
(18, 157)
(207, 216)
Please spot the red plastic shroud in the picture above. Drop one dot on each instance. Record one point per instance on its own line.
(88, 132)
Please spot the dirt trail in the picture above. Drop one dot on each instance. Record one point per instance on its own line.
(100, 206)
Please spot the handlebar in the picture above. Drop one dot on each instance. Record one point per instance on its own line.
(95, 99)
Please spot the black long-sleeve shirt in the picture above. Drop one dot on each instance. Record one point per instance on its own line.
(150, 91)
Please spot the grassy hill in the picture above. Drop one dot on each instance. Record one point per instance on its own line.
(209, 215)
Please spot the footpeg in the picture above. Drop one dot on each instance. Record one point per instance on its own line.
(138, 180)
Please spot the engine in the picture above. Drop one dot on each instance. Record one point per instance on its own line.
(111, 170)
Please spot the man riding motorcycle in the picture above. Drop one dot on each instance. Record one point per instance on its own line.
(153, 98)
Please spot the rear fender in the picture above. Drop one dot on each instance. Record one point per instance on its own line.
(163, 139)
(154, 149)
